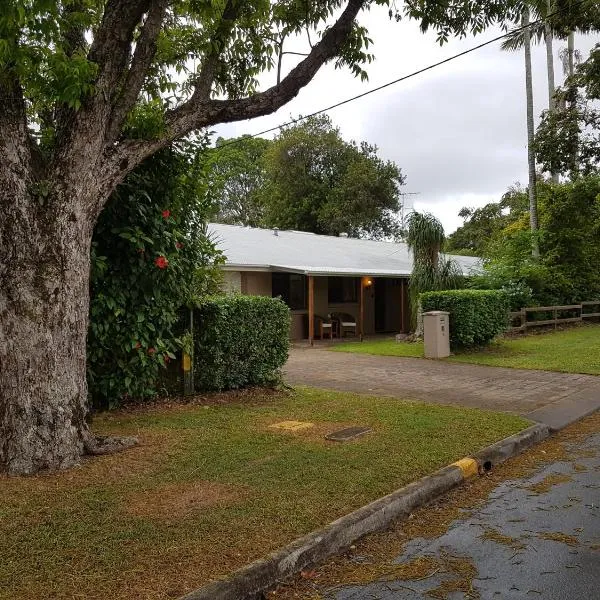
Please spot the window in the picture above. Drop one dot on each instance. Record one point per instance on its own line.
(292, 289)
(342, 290)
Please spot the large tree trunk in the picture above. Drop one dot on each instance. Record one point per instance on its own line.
(533, 216)
(44, 293)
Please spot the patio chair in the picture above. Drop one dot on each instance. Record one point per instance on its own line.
(346, 323)
(322, 327)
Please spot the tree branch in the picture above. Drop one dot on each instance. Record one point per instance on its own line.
(82, 137)
(194, 114)
(206, 76)
(18, 152)
(143, 56)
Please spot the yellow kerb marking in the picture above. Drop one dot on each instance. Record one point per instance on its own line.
(468, 466)
(292, 425)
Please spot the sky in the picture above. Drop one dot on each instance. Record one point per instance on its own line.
(458, 132)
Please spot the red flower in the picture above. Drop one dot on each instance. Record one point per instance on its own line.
(151, 351)
(179, 245)
(161, 262)
(138, 345)
(166, 214)
(166, 358)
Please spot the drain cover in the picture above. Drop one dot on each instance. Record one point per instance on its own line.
(350, 433)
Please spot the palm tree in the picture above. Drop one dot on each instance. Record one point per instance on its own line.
(540, 30)
(533, 209)
(425, 238)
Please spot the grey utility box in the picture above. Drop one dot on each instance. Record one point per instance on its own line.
(436, 334)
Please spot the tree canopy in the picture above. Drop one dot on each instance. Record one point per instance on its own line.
(308, 179)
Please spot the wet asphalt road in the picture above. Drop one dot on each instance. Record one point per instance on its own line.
(520, 544)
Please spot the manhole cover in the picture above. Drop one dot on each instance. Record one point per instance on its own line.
(350, 433)
(292, 425)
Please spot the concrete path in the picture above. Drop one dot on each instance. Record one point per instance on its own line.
(512, 390)
(525, 542)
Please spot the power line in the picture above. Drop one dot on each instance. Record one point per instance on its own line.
(404, 77)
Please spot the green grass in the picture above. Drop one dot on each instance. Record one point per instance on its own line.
(575, 350)
(382, 347)
(212, 488)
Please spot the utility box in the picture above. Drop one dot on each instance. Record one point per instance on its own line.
(436, 334)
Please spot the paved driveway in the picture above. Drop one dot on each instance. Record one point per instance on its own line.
(511, 390)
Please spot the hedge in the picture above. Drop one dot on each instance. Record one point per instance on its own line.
(239, 341)
(476, 316)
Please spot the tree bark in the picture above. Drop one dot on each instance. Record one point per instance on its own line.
(45, 245)
(533, 216)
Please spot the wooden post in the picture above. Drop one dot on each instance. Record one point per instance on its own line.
(361, 309)
(311, 309)
(402, 301)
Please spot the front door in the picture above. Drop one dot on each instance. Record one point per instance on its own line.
(380, 294)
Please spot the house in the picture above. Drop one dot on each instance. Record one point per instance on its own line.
(318, 275)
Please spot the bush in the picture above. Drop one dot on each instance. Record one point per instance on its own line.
(240, 341)
(150, 256)
(476, 316)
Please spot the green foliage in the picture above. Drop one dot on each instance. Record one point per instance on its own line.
(569, 241)
(150, 257)
(53, 50)
(425, 237)
(316, 181)
(568, 139)
(235, 178)
(240, 341)
(476, 316)
(482, 225)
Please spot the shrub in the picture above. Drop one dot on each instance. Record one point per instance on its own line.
(150, 257)
(476, 316)
(239, 341)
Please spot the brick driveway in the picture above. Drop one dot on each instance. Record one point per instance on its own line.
(511, 390)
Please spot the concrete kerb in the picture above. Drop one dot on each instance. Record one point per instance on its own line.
(250, 582)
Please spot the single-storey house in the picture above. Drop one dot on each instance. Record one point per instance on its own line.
(320, 276)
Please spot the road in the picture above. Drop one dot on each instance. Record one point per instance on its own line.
(531, 530)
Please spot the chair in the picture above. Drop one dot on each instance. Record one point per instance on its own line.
(322, 327)
(346, 323)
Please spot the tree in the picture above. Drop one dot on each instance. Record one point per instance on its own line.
(236, 175)
(316, 181)
(425, 238)
(88, 90)
(532, 187)
(482, 225)
(569, 236)
(542, 9)
(568, 140)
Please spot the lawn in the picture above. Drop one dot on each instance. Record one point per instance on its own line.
(213, 487)
(574, 350)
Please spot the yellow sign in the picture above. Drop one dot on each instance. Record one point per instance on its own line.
(187, 362)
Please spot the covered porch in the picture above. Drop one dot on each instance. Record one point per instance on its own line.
(324, 306)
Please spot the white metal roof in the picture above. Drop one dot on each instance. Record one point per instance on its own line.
(252, 249)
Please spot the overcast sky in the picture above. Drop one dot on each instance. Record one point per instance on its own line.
(458, 132)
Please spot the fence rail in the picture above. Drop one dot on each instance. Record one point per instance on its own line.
(576, 313)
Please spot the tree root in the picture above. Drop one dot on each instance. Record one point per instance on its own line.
(99, 445)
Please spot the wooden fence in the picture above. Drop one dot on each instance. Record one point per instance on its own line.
(538, 316)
